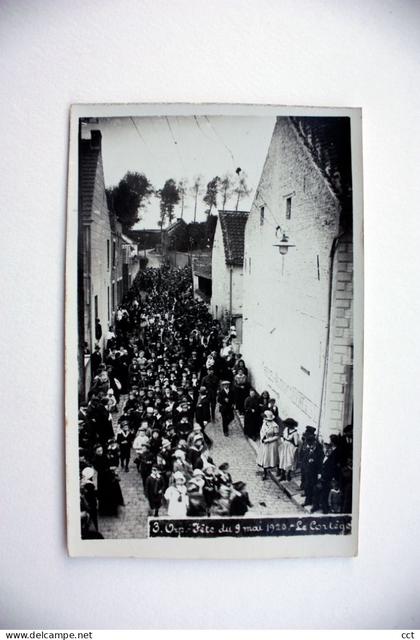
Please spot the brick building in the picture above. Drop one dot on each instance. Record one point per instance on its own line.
(297, 307)
(227, 268)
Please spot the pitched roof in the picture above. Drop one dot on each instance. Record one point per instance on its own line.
(233, 224)
(328, 141)
(177, 223)
(89, 158)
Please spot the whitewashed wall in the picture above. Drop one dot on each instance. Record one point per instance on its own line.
(285, 302)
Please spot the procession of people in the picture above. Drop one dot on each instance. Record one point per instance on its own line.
(165, 368)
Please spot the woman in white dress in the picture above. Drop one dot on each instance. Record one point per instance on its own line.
(268, 454)
(288, 445)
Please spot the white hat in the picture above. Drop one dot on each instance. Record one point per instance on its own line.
(88, 473)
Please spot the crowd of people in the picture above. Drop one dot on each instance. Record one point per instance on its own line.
(165, 367)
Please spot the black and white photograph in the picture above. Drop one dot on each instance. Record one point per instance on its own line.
(214, 331)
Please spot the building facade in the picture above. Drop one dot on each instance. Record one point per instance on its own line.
(227, 268)
(100, 257)
(297, 305)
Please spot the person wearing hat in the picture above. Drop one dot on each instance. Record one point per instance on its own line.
(196, 431)
(124, 441)
(183, 428)
(95, 360)
(226, 401)
(252, 421)
(211, 383)
(176, 496)
(346, 444)
(239, 502)
(288, 446)
(268, 453)
(311, 460)
(196, 503)
(195, 452)
(88, 490)
(240, 390)
(153, 490)
(223, 476)
(329, 470)
(202, 413)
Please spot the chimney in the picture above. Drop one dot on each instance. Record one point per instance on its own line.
(95, 140)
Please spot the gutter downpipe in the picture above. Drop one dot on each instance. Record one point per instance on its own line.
(230, 294)
(333, 251)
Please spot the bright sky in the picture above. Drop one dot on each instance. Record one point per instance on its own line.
(182, 148)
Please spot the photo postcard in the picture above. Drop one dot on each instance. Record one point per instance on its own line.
(214, 331)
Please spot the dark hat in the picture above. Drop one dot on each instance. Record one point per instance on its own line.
(289, 422)
(239, 485)
(224, 466)
(334, 439)
(348, 430)
(310, 431)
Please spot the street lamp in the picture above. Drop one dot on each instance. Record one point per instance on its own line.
(283, 247)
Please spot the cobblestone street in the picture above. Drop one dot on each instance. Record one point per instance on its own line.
(266, 497)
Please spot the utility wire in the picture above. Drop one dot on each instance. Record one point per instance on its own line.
(222, 141)
(175, 143)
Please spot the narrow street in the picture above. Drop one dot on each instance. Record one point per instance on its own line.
(266, 497)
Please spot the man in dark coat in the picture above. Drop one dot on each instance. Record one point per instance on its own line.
(102, 419)
(124, 441)
(226, 401)
(329, 470)
(211, 382)
(153, 489)
(95, 360)
(202, 413)
(311, 460)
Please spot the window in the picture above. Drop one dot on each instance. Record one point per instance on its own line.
(107, 254)
(288, 208)
(261, 216)
(114, 253)
(249, 265)
(113, 296)
(109, 311)
(96, 307)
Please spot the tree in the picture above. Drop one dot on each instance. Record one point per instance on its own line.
(226, 185)
(182, 189)
(210, 197)
(241, 188)
(128, 197)
(195, 190)
(169, 197)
